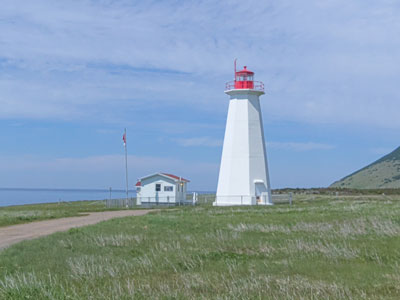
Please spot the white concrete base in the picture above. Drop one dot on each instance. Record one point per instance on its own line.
(241, 200)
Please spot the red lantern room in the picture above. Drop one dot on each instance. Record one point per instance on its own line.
(244, 79)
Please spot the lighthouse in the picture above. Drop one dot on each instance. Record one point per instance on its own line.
(243, 176)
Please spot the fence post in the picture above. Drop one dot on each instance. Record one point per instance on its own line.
(241, 200)
(290, 198)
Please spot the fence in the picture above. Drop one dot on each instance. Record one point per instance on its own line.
(167, 201)
(282, 198)
(242, 200)
(151, 201)
(209, 199)
(198, 199)
(121, 203)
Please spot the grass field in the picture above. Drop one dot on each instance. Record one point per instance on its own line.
(327, 248)
(11, 215)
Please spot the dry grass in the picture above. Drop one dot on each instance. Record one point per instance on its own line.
(340, 249)
(36, 212)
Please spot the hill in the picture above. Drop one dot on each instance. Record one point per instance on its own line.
(383, 173)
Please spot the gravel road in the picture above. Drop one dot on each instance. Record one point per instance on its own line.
(13, 234)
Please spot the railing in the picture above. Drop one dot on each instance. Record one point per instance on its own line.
(253, 200)
(166, 200)
(200, 199)
(190, 199)
(256, 85)
(242, 200)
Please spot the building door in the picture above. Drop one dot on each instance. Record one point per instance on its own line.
(260, 191)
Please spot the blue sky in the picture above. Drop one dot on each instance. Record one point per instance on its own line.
(74, 74)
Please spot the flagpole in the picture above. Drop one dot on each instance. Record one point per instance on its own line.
(126, 169)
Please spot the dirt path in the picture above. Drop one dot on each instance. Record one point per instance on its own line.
(13, 234)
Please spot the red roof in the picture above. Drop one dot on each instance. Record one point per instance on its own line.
(139, 183)
(175, 177)
(245, 71)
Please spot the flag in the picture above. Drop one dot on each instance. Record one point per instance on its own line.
(124, 138)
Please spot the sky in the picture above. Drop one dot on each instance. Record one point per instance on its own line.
(74, 74)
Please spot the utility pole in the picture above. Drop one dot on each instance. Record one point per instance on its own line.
(126, 169)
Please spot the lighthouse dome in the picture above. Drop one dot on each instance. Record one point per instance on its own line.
(244, 79)
(245, 71)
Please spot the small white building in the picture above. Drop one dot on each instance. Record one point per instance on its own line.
(161, 188)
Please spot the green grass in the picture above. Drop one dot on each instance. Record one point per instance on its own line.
(11, 215)
(319, 248)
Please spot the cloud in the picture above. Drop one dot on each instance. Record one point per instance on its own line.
(322, 62)
(293, 146)
(200, 141)
(99, 171)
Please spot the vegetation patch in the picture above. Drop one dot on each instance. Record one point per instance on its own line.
(321, 247)
(11, 215)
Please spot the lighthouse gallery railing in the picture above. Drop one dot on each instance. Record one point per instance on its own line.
(257, 85)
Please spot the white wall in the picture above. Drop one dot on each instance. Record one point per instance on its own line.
(148, 191)
(243, 161)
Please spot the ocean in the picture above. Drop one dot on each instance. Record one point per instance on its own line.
(31, 196)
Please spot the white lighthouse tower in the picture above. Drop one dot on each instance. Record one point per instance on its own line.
(243, 176)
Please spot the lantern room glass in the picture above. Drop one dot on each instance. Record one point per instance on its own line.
(244, 77)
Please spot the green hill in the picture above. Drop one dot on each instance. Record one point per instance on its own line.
(383, 173)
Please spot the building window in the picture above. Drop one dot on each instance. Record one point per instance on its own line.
(168, 188)
(158, 187)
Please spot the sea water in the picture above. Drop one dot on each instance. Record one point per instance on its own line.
(31, 196)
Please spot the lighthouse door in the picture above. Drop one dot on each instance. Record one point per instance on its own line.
(260, 190)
